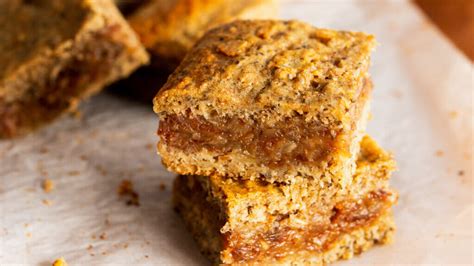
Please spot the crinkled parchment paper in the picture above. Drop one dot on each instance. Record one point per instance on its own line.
(422, 111)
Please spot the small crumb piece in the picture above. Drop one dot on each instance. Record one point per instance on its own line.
(103, 236)
(125, 190)
(460, 173)
(47, 185)
(101, 170)
(73, 173)
(162, 186)
(90, 247)
(149, 146)
(439, 153)
(125, 246)
(146, 256)
(93, 236)
(47, 202)
(83, 157)
(60, 262)
(29, 235)
(453, 114)
(43, 150)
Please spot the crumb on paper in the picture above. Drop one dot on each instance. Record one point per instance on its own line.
(107, 222)
(93, 236)
(73, 173)
(43, 150)
(162, 186)
(79, 140)
(467, 156)
(103, 236)
(90, 247)
(29, 235)
(60, 262)
(93, 134)
(101, 170)
(47, 202)
(146, 256)
(125, 190)
(125, 246)
(453, 114)
(150, 146)
(83, 157)
(104, 253)
(460, 172)
(47, 185)
(439, 153)
(30, 189)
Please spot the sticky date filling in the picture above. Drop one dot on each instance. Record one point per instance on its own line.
(292, 141)
(280, 242)
(287, 142)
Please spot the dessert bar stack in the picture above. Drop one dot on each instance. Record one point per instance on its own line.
(264, 121)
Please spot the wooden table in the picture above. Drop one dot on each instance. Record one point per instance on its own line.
(455, 18)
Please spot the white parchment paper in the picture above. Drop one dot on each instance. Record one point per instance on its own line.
(422, 111)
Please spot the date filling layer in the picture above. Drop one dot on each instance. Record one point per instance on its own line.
(292, 141)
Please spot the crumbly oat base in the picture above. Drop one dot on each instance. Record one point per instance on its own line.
(236, 220)
(65, 51)
(169, 28)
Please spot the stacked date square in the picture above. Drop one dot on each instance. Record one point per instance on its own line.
(264, 121)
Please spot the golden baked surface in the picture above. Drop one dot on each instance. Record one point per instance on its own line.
(270, 68)
(168, 28)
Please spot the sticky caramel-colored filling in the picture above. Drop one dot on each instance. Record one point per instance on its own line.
(292, 141)
(48, 98)
(287, 142)
(282, 241)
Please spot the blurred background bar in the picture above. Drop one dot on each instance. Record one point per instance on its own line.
(455, 18)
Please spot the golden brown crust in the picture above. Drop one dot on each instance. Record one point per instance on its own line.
(271, 69)
(47, 73)
(235, 217)
(168, 28)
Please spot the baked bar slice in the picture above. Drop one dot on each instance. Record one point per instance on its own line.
(252, 222)
(55, 53)
(267, 99)
(168, 28)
